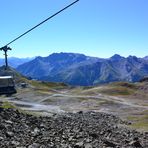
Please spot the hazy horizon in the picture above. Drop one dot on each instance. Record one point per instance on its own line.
(73, 53)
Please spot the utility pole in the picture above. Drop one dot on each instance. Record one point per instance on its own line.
(5, 49)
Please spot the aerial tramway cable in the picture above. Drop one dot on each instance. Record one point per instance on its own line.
(42, 22)
(6, 48)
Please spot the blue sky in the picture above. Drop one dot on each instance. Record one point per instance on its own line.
(94, 27)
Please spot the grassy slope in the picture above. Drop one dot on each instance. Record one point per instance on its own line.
(113, 89)
(119, 88)
(139, 121)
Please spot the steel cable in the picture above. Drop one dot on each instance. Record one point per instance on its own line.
(41, 23)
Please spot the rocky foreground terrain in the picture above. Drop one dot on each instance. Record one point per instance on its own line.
(67, 130)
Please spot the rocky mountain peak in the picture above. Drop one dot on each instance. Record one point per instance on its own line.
(116, 57)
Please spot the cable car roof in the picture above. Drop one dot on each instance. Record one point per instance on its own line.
(6, 77)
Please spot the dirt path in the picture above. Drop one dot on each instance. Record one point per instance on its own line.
(60, 101)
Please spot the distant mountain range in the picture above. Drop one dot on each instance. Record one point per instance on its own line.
(15, 62)
(78, 69)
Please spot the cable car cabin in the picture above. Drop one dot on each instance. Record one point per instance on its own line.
(7, 85)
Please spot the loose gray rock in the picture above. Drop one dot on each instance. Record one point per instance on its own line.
(69, 130)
